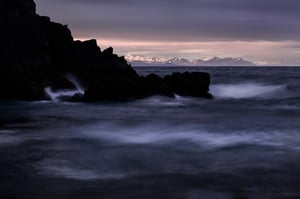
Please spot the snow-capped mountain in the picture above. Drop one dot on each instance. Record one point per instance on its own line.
(144, 60)
(136, 60)
(227, 61)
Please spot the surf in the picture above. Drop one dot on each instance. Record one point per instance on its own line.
(248, 90)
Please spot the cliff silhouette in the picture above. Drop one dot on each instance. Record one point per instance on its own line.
(36, 53)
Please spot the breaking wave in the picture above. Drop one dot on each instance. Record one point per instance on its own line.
(248, 90)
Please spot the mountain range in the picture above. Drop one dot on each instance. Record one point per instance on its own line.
(137, 60)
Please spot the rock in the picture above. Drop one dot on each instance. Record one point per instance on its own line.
(78, 97)
(111, 88)
(22, 92)
(62, 83)
(155, 85)
(46, 51)
(86, 53)
(108, 51)
(17, 7)
(194, 84)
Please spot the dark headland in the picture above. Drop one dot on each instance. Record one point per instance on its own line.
(36, 53)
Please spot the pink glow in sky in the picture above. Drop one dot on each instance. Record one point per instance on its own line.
(265, 32)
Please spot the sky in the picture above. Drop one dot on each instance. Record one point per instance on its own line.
(262, 31)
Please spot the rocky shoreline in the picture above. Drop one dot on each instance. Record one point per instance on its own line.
(37, 53)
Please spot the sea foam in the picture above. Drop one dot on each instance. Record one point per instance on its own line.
(247, 90)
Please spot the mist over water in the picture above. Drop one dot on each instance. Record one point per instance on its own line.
(243, 144)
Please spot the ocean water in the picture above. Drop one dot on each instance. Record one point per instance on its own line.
(244, 144)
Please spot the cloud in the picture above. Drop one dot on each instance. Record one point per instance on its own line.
(265, 31)
(177, 20)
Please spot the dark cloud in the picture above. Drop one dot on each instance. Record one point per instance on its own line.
(187, 20)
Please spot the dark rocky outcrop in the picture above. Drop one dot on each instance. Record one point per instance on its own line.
(62, 83)
(36, 53)
(194, 84)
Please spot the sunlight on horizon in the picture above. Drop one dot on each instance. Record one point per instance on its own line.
(259, 52)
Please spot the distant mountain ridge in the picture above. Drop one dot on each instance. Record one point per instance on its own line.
(136, 60)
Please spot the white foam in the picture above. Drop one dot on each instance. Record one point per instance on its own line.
(163, 135)
(164, 101)
(55, 96)
(69, 170)
(76, 82)
(246, 90)
(71, 173)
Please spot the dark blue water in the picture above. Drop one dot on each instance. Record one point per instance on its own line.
(243, 144)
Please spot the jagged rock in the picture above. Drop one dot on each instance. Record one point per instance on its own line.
(78, 97)
(155, 85)
(62, 83)
(17, 7)
(112, 89)
(108, 51)
(194, 84)
(36, 53)
(86, 51)
(189, 84)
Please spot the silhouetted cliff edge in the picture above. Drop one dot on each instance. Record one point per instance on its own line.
(36, 53)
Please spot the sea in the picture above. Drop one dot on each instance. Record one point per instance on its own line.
(244, 144)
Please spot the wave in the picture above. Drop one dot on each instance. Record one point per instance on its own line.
(118, 152)
(61, 95)
(165, 101)
(248, 90)
(69, 171)
(165, 135)
(9, 137)
(64, 95)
